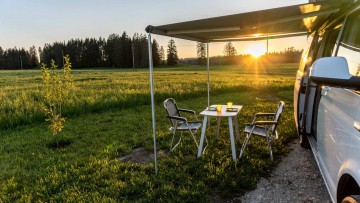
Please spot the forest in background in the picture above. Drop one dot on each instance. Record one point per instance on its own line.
(119, 51)
(122, 51)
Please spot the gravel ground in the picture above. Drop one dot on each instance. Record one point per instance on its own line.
(296, 179)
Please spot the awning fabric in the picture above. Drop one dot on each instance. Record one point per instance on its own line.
(278, 22)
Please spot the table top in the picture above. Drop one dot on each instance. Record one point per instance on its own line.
(223, 113)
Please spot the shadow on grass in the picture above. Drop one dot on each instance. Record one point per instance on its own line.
(62, 144)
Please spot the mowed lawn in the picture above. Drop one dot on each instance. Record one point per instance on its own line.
(109, 115)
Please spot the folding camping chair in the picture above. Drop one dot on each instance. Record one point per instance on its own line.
(265, 129)
(179, 123)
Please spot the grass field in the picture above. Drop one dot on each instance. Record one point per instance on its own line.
(109, 115)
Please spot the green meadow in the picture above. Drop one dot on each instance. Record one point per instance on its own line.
(109, 115)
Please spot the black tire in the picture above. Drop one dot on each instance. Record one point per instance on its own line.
(304, 142)
(351, 199)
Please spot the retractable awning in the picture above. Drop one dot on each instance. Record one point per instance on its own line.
(257, 25)
(277, 22)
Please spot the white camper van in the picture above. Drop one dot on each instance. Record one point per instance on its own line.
(327, 101)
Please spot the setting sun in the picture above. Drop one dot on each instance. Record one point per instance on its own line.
(256, 50)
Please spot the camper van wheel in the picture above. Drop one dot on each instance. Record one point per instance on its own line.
(351, 199)
(304, 142)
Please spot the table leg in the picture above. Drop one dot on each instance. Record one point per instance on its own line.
(218, 127)
(232, 141)
(203, 129)
(236, 129)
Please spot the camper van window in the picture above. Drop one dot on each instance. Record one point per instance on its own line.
(351, 37)
(350, 43)
(330, 42)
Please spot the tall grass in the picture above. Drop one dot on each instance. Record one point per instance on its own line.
(101, 90)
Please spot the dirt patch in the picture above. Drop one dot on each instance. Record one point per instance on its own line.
(141, 156)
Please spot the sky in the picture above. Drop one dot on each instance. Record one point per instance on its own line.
(24, 23)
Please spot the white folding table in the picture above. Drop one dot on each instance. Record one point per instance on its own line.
(232, 117)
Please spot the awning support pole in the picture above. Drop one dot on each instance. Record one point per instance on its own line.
(208, 73)
(267, 44)
(152, 99)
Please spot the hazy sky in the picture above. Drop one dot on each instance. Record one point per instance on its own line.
(24, 23)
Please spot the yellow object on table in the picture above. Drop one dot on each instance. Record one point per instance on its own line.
(229, 104)
(218, 108)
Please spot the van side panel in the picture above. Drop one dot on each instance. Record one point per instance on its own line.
(338, 140)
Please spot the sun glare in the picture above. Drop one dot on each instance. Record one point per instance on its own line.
(256, 50)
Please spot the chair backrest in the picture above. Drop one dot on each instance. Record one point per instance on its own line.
(171, 110)
(277, 115)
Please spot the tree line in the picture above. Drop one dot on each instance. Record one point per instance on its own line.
(230, 57)
(118, 51)
(122, 51)
(18, 58)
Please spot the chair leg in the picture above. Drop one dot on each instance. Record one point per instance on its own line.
(248, 135)
(207, 143)
(192, 134)
(268, 140)
(172, 148)
(172, 140)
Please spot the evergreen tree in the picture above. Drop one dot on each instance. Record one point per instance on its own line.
(172, 57)
(162, 55)
(24, 58)
(110, 49)
(2, 59)
(59, 53)
(155, 53)
(125, 51)
(40, 55)
(101, 44)
(34, 60)
(229, 50)
(74, 48)
(144, 51)
(141, 56)
(12, 59)
(201, 53)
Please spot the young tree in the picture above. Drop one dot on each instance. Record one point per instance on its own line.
(56, 88)
(229, 50)
(172, 57)
(201, 53)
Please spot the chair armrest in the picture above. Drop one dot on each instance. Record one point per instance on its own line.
(264, 122)
(262, 115)
(265, 114)
(187, 111)
(178, 118)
